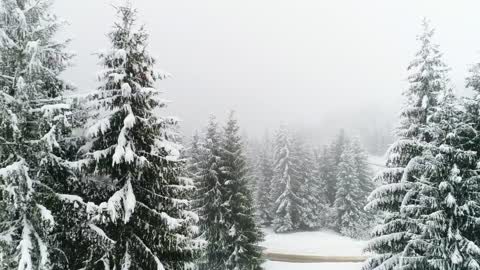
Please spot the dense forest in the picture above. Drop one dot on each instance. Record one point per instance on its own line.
(107, 181)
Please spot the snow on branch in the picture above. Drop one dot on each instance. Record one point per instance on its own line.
(46, 214)
(5, 40)
(122, 204)
(172, 223)
(25, 247)
(100, 233)
(100, 127)
(173, 149)
(149, 251)
(18, 169)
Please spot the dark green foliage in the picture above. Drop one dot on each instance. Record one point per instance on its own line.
(129, 148)
(243, 234)
(225, 201)
(210, 196)
(34, 131)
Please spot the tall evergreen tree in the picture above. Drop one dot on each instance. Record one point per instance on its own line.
(243, 234)
(472, 104)
(288, 205)
(195, 156)
(365, 185)
(264, 187)
(322, 171)
(348, 196)
(445, 202)
(210, 196)
(136, 152)
(251, 147)
(338, 146)
(333, 159)
(34, 122)
(310, 190)
(427, 80)
(363, 170)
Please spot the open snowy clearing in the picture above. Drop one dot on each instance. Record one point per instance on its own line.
(311, 266)
(324, 243)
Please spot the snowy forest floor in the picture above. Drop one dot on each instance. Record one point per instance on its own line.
(321, 243)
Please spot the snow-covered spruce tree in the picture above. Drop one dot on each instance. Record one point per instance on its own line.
(366, 185)
(134, 150)
(210, 198)
(333, 158)
(322, 207)
(243, 234)
(325, 169)
(310, 189)
(194, 156)
(472, 104)
(264, 187)
(252, 159)
(76, 236)
(348, 197)
(34, 125)
(445, 201)
(472, 117)
(427, 79)
(319, 168)
(288, 205)
(362, 167)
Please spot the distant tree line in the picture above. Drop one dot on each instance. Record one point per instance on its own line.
(303, 188)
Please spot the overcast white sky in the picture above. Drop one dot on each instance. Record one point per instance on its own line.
(298, 61)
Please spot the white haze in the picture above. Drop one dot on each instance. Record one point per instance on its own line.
(315, 64)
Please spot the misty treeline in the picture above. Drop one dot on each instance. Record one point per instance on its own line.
(295, 188)
(303, 187)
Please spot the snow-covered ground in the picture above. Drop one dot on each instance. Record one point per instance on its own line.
(312, 266)
(323, 243)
